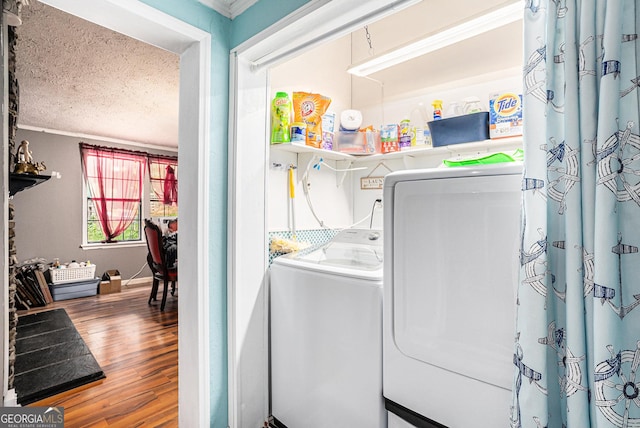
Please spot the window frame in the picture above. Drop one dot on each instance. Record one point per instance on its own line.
(85, 219)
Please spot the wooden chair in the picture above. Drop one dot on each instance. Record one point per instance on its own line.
(157, 262)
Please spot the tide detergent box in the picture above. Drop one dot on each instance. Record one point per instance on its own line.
(505, 115)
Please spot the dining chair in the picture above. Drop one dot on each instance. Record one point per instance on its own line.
(157, 262)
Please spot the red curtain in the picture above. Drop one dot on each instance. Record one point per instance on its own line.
(163, 174)
(114, 178)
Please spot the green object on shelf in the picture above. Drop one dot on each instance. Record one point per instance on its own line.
(498, 157)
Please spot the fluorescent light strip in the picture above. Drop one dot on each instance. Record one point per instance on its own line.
(458, 33)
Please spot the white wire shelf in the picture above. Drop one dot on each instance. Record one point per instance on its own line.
(484, 146)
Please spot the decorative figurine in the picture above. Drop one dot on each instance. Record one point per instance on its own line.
(24, 161)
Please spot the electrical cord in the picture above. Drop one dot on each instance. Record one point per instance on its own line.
(135, 274)
(373, 207)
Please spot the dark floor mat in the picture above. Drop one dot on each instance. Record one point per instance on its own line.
(51, 357)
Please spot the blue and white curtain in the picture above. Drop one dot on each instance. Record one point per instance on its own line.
(577, 348)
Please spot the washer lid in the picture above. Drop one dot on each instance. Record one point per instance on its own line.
(351, 249)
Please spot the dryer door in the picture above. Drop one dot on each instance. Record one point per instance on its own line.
(455, 271)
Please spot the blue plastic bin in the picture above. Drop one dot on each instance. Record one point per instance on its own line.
(460, 129)
(72, 290)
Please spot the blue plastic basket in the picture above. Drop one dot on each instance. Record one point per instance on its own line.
(460, 129)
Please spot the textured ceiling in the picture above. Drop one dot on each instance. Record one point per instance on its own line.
(77, 77)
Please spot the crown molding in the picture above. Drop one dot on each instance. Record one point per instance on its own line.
(229, 8)
(238, 6)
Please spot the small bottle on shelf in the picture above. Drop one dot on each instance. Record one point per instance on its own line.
(437, 109)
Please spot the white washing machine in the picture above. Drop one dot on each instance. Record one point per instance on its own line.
(326, 334)
(450, 275)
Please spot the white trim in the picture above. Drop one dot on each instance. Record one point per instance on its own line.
(273, 30)
(8, 395)
(232, 348)
(201, 304)
(137, 282)
(126, 17)
(109, 245)
(238, 6)
(247, 231)
(97, 137)
(229, 8)
(11, 398)
(145, 23)
(220, 6)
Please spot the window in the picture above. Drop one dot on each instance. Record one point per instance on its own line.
(163, 177)
(95, 233)
(114, 187)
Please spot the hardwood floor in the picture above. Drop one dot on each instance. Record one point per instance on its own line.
(137, 347)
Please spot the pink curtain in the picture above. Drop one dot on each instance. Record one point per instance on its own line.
(163, 174)
(114, 178)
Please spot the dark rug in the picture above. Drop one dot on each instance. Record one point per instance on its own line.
(51, 357)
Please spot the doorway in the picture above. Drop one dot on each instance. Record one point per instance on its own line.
(193, 46)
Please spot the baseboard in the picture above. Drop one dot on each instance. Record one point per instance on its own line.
(11, 399)
(138, 282)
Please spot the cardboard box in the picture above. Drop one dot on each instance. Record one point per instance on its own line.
(505, 115)
(111, 282)
(389, 135)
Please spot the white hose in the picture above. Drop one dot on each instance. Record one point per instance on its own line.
(305, 189)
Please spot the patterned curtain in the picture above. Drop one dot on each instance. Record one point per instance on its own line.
(577, 346)
(163, 174)
(114, 178)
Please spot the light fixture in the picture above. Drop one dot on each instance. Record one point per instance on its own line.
(457, 33)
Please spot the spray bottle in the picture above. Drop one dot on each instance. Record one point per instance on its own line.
(437, 109)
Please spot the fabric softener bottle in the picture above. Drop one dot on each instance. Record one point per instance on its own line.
(281, 109)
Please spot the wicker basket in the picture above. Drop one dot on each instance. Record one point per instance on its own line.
(61, 276)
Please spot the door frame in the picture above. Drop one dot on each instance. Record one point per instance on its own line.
(317, 22)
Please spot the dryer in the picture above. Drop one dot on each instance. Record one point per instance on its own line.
(326, 334)
(451, 238)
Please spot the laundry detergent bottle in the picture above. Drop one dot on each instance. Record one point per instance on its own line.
(281, 111)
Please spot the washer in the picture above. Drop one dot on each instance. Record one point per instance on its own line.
(450, 276)
(326, 334)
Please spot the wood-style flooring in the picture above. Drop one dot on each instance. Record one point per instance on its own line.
(137, 347)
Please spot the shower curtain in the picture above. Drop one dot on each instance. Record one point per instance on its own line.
(577, 344)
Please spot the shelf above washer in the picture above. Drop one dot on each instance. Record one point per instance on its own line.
(484, 146)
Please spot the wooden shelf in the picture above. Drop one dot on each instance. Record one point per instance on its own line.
(20, 182)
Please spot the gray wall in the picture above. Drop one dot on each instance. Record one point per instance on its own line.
(49, 215)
